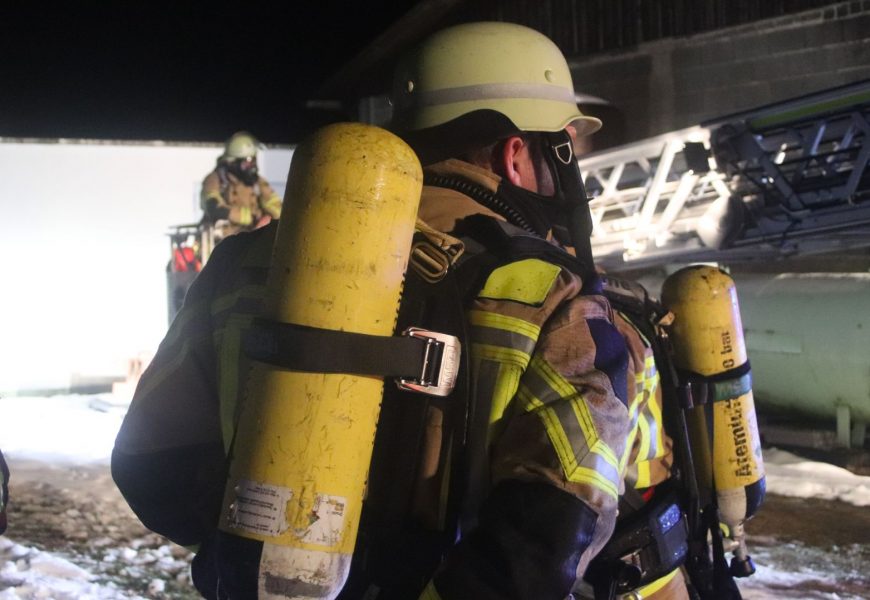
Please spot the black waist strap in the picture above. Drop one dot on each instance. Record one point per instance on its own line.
(418, 357)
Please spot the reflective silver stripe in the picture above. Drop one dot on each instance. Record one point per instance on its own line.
(505, 339)
(490, 91)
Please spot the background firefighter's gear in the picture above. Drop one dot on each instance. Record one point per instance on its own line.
(234, 196)
(241, 145)
(225, 196)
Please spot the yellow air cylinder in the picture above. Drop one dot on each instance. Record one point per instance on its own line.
(707, 337)
(304, 440)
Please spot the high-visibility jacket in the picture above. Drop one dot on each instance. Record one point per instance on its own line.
(247, 204)
(573, 402)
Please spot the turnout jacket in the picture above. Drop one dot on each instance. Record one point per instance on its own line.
(559, 383)
(247, 204)
(569, 408)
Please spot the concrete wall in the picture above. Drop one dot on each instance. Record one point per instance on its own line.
(676, 83)
(83, 251)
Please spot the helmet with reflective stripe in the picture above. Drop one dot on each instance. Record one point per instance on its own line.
(240, 145)
(502, 67)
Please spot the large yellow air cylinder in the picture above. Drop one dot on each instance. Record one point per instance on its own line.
(304, 441)
(707, 337)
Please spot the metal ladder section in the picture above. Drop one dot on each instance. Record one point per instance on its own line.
(785, 179)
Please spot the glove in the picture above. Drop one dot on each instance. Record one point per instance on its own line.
(215, 212)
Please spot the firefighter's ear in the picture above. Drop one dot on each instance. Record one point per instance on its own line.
(513, 161)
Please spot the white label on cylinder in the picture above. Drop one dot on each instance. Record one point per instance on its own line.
(326, 521)
(260, 508)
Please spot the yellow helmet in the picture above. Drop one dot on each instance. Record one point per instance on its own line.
(240, 145)
(502, 67)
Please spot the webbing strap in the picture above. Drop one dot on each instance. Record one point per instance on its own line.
(310, 349)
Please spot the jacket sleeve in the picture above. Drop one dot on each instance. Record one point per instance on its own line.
(211, 190)
(550, 389)
(270, 202)
(168, 460)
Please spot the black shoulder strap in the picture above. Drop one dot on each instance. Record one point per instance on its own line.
(505, 243)
(395, 554)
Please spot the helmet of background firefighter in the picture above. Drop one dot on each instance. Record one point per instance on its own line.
(240, 156)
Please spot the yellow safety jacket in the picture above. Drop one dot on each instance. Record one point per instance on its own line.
(547, 372)
(247, 204)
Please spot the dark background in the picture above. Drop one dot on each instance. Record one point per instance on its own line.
(177, 71)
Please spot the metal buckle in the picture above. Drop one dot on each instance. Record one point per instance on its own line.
(440, 363)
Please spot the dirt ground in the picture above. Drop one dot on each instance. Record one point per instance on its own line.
(77, 512)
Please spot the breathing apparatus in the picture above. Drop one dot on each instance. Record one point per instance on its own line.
(566, 211)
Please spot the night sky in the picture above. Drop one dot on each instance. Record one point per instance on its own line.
(178, 71)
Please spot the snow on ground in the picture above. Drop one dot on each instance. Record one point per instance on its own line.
(72, 537)
(790, 475)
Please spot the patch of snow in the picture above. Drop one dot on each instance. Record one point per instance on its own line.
(790, 475)
(32, 574)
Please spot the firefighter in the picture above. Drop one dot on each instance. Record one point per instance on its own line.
(559, 381)
(234, 197)
(569, 386)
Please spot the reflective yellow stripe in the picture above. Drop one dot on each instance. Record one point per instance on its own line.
(215, 195)
(527, 281)
(643, 434)
(564, 389)
(633, 326)
(504, 390)
(655, 411)
(227, 301)
(652, 588)
(629, 444)
(482, 318)
(500, 354)
(273, 205)
(643, 475)
(229, 375)
(158, 377)
(245, 216)
(632, 420)
(430, 593)
(574, 472)
(597, 465)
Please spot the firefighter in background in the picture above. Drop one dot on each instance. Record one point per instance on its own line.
(560, 382)
(234, 197)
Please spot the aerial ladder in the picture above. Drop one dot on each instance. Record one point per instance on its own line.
(786, 179)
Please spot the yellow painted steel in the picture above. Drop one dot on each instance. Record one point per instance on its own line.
(708, 325)
(304, 440)
(708, 340)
